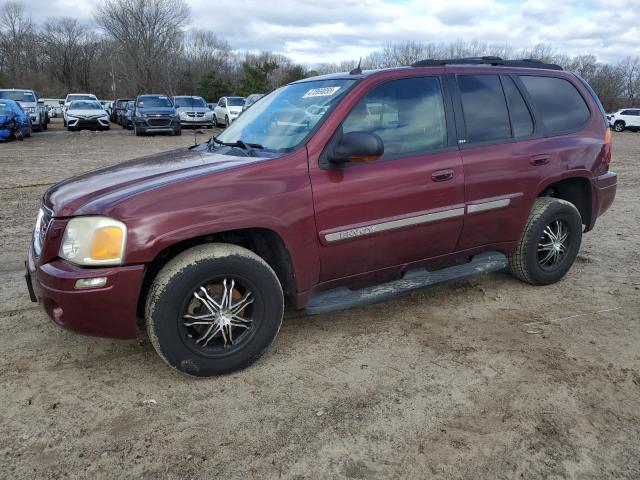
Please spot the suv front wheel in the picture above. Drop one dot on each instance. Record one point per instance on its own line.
(549, 243)
(619, 126)
(214, 309)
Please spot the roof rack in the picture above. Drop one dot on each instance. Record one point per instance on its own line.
(495, 61)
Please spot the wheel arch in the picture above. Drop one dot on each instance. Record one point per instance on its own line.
(264, 242)
(575, 190)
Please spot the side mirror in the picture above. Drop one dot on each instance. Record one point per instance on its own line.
(357, 147)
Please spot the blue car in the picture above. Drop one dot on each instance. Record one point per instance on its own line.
(14, 122)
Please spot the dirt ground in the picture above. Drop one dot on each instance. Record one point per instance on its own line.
(481, 379)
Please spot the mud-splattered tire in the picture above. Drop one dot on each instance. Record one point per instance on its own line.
(548, 214)
(172, 307)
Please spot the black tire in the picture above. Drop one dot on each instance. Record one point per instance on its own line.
(172, 294)
(526, 263)
(64, 122)
(619, 126)
(70, 129)
(136, 131)
(177, 132)
(45, 125)
(215, 120)
(37, 128)
(226, 121)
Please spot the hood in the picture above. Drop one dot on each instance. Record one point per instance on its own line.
(86, 113)
(87, 193)
(26, 104)
(157, 110)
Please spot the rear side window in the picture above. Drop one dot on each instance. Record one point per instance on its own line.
(521, 121)
(559, 105)
(408, 115)
(485, 109)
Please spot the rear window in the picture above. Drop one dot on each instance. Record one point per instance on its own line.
(485, 109)
(559, 105)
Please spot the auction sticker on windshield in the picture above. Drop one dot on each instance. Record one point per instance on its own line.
(321, 92)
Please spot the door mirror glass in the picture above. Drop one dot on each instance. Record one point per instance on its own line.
(357, 147)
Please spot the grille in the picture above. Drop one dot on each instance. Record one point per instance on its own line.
(159, 122)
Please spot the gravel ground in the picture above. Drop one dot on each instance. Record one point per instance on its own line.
(486, 378)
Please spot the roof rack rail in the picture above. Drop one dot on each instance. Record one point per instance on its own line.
(495, 61)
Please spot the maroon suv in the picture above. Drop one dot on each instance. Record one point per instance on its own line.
(330, 192)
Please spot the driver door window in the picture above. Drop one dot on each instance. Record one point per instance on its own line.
(408, 115)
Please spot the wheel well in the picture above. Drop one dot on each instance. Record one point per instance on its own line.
(264, 242)
(574, 190)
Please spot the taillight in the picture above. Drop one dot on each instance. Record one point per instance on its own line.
(607, 148)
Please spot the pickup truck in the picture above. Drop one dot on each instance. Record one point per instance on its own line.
(329, 193)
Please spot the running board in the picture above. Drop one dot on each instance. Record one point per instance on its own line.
(343, 297)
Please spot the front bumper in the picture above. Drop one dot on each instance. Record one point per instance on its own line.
(196, 122)
(157, 124)
(108, 311)
(87, 122)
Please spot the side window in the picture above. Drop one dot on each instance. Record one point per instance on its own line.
(521, 120)
(626, 112)
(485, 109)
(559, 105)
(221, 102)
(408, 115)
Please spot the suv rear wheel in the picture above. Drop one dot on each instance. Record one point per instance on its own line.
(214, 309)
(549, 244)
(619, 126)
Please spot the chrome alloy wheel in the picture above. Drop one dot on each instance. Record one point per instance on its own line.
(219, 315)
(553, 244)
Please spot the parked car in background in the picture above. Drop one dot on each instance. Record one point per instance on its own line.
(86, 114)
(73, 97)
(14, 121)
(126, 113)
(117, 105)
(211, 106)
(625, 119)
(155, 114)
(330, 185)
(28, 100)
(193, 111)
(251, 99)
(227, 110)
(122, 112)
(44, 111)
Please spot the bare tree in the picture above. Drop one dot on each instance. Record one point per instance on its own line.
(148, 33)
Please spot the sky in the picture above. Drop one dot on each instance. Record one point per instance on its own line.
(313, 32)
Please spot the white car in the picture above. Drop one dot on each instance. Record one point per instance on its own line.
(193, 111)
(227, 110)
(627, 118)
(73, 97)
(86, 114)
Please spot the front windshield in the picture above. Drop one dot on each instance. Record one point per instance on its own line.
(285, 117)
(154, 102)
(235, 101)
(85, 105)
(18, 96)
(72, 98)
(191, 102)
(5, 109)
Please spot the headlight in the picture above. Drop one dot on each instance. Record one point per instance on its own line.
(94, 241)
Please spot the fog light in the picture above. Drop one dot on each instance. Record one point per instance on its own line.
(96, 282)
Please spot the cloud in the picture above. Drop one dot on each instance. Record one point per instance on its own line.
(334, 30)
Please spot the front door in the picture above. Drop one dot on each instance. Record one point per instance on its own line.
(406, 206)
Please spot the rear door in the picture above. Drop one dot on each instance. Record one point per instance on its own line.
(407, 205)
(510, 147)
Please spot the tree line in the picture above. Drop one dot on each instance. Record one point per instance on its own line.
(144, 46)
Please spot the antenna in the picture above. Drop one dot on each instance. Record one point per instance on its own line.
(357, 70)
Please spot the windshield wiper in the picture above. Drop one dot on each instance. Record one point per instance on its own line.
(249, 147)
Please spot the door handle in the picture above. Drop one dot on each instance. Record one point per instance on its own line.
(442, 175)
(540, 160)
